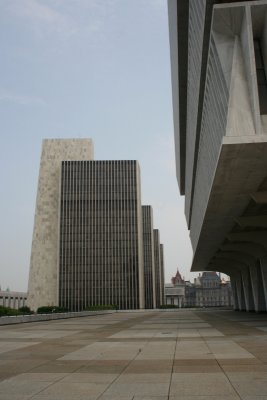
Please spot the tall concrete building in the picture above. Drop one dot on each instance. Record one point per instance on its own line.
(101, 236)
(219, 86)
(43, 277)
(149, 262)
(159, 277)
(88, 237)
(162, 274)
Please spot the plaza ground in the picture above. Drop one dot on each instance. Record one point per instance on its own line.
(185, 355)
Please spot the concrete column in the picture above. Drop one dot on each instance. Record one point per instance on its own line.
(247, 287)
(240, 293)
(263, 262)
(234, 290)
(257, 287)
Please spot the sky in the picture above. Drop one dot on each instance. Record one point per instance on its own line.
(95, 69)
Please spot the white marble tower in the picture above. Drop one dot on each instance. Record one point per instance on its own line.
(43, 278)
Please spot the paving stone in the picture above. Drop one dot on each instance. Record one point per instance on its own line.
(196, 397)
(153, 366)
(116, 397)
(74, 390)
(150, 398)
(249, 383)
(17, 387)
(89, 377)
(205, 384)
(211, 355)
(38, 377)
(143, 378)
(141, 389)
(6, 346)
(104, 366)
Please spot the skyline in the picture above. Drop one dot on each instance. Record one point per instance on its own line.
(100, 71)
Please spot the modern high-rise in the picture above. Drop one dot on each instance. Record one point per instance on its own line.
(162, 275)
(101, 237)
(93, 242)
(43, 277)
(149, 263)
(219, 87)
(159, 278)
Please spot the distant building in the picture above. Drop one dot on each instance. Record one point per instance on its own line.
(190, 295)
(162, 275)
(149, 260)
(159, 277)
(211, 291)
(175, 291)
(12, 299)
(208, 290)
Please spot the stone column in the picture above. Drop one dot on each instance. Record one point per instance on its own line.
(240, 292)
(263, 262)
(249, 299)
(257, 287)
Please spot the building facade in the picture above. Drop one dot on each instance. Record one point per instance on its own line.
(43, 277)
(157, 265)
(162, 275)
(89, 231)
(12, 299)
(101, 237)
(208, 290)
(175, 291)
(159, 276)
(149, 263)
(212, 291)
(219, 87)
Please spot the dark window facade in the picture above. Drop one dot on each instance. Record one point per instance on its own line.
(157, 266)
(99, 258)
(149, 267)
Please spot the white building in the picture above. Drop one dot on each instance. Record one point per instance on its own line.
(12, 299)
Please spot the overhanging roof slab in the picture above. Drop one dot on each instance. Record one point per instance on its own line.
(241, 168)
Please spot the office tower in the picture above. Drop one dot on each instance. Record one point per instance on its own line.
(149, 264)
(162, 275)
(219, 87)
(158, 280)
(43, 278)
(101, 237)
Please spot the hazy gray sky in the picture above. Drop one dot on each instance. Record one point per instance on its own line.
(85, 68)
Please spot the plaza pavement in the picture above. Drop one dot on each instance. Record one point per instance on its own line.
(185, 355)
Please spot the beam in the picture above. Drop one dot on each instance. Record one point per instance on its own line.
(259, 197)
(253, 249)
(237, 257)
(258, 237)
(253, 221)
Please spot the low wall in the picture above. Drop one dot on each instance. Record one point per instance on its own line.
(18, 319)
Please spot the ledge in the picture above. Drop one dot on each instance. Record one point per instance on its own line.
(19, 319)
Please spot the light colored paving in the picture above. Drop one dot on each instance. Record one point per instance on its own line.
(228, 349)
(201, 384)
(249, 383)
(11, 346)
(191, 350)
(36, 334)
(185, 355)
